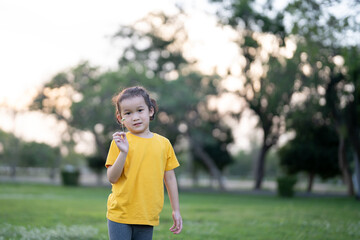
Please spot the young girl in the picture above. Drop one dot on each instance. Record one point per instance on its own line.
(138, 163)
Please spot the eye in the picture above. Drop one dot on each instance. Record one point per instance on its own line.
(140, 110)
(127, 113)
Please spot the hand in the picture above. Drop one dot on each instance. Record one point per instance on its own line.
(177, 227)
(121, 141)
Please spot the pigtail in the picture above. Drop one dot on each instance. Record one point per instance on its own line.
(116, 103)
(155, 107)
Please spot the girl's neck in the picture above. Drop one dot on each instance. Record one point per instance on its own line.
(145, 134)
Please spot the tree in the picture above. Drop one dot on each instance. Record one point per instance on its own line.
(158, 45)
(10, 149)
(314, 148)
(269, 76)
(14, 152)
(35, 154)
(155, 42)
(96, 163)
(91, 109)
(322, 31)
(82, 98)
(188, 114)
(318, 31)
(57, 96)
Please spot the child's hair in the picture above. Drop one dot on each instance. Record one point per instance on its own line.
(134, 92)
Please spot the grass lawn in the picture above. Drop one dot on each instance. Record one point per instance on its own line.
(55, 212)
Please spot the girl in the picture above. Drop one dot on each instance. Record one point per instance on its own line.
(138, 163)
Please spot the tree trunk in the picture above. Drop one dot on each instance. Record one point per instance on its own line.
(209, 163)
(357, 176)
(102, 149)
(344, 168)
(356, 146)
(194, 175)
(54, 167)
(260, 166)
(15, 159)
(338, 116)
(310, 182)
(99, 178)
(354, 131)
(13, 170)
(15, 152)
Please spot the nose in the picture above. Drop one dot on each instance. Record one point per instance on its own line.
(135, 116)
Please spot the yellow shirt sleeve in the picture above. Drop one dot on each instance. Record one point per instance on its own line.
(172, 161)
(112, 154)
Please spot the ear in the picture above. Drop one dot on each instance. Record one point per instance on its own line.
(118, 118)
(151, 112)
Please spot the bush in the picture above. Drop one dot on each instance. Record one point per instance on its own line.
(285, 186)
(70, 176)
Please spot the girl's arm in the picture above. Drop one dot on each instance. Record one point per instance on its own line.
(172, 189)
(114, 171)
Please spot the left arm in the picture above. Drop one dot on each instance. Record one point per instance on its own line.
(172, 189)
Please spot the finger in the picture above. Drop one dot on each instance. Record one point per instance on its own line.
(173, 227)
(119, 136)
(116, 137)
(123, 135)
(179, 227)
(176, 230)
(116, 134)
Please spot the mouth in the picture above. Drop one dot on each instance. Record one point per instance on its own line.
(136, 124)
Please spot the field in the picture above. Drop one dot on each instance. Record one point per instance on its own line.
(56, 212)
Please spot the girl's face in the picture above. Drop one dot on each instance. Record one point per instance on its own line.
(136, 115)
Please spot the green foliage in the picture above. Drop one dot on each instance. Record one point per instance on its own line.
(9, 145)
(17, 153)
(313, 150)
(96, 163)
(73, 159)
(32, 208)
(35, 154)
(152, 59)
(243, 164)
(269, 94)
(184, 112)
(316, 20)
(70, 177)
(183, 100)
(253, 15)
(155, 42)
(285, 186)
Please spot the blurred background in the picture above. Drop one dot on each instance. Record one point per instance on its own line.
(249, 92)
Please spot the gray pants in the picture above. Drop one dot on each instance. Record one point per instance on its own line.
(119, 231)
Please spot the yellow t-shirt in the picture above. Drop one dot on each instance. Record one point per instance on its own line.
(138, 196)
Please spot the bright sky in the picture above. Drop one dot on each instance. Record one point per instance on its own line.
(40, 38)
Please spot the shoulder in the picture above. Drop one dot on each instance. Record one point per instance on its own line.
(113, 147)
(162, 141)
(112, 144)
(161, 138)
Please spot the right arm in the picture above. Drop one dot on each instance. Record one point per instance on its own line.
(114, 171)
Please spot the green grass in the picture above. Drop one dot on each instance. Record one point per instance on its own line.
(54, 212)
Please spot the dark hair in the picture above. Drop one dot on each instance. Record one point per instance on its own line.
(134, 92)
